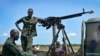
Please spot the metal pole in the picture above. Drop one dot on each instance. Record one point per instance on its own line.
(54, 32)
(68, 41)
(65, 43)
(82, 38)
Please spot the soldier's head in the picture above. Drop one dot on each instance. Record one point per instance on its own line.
(58, 44)
(30, 12)
(14, 34)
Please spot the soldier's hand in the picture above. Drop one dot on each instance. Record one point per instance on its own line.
(22, 30)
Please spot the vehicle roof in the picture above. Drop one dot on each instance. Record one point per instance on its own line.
(94, 19)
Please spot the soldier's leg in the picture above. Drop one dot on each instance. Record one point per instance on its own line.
(29, 44)
(24, 42)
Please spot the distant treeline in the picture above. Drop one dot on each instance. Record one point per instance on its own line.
(49, 45)
(61, 44)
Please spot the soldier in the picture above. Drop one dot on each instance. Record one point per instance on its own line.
(28, 31)
(58, 50)
(10, 48)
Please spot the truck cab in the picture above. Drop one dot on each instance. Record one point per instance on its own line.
(92, 37)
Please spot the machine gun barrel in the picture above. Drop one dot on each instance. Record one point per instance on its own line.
(49, 21)
(75, 15)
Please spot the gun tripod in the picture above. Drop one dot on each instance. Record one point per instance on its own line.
(65, 39)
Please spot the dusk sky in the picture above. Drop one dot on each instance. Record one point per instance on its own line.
(13, 10)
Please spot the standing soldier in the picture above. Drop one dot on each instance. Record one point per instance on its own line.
(28, 31)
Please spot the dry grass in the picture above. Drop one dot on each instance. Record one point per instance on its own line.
(46, 47)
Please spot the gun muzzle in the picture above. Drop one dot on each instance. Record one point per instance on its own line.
(91, 11)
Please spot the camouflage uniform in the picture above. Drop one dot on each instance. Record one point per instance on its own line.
(11, 49)
(29, 31)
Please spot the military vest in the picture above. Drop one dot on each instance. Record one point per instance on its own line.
(29, 27)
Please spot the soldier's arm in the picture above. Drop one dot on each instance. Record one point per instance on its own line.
(17, 23)
(39, 19)
(42, 21)
(14, 49)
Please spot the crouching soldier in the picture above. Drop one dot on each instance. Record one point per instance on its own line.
(10, 48)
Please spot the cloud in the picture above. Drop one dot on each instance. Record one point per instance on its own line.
(4, 34)
(72, 34)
